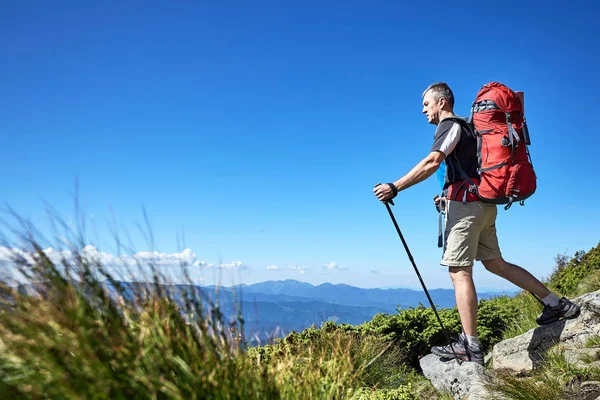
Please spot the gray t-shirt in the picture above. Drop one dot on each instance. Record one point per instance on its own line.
(457, 142)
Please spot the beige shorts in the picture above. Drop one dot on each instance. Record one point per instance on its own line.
(470, 233)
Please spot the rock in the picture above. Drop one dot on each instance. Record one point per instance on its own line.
(589, 383)
(595, 364)
(523, 353)
(578, 356)
(588, 390)
(464, 381)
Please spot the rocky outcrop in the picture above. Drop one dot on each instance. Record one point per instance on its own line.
(523, 353)
(464, 381)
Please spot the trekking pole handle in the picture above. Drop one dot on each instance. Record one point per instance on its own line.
(394, 191)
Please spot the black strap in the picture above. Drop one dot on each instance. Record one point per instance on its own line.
(463, 173)
(502, 164)
(394, 189)
(390, 201)
(512, 135)
(441, 229)
(441, 209)
(479, 143)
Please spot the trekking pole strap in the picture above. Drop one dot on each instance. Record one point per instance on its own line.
(441, 209)
(440, 231)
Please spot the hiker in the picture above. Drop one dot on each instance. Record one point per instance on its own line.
(470, 225)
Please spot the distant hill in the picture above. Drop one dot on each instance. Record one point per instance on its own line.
(275, 308)
(288, 305)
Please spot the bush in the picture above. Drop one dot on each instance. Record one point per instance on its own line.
(402, 393)
(329, 361)
(570, 273)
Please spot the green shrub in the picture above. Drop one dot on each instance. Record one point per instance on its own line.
(414, 329)
(571, 272)
(402, 393)
(318, 362)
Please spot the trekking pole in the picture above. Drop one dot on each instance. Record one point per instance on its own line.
(412, 260)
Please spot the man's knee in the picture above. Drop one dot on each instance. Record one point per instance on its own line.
(495, 266)
(460, 273)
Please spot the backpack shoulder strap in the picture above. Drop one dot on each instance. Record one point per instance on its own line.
(464, 123)
(467, 123)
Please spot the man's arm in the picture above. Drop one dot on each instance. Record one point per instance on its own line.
(423, 170)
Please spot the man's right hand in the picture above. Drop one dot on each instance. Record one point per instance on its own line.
(385, 192)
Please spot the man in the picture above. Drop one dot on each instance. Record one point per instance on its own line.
(470, 226)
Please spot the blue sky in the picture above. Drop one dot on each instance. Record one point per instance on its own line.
(258, 129)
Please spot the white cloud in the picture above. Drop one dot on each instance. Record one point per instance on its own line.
(8, 255)
(334, 266)
(273, 267)
(57, 256)
(235, 265)
(186, 257)
(374, 271)
(300, 268)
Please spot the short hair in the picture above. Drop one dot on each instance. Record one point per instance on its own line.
(441, 89)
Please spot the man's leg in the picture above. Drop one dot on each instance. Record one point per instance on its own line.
(463, 224)
(467, 347)
(516, 275)
(555, 308)
(466, 298)
(488, 252)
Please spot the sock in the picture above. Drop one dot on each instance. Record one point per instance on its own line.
(472, 341)
(551, 300)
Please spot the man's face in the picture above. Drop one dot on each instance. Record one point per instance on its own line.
(431, 108)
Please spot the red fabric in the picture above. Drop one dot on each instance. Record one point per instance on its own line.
(516, 178)
(456, 191)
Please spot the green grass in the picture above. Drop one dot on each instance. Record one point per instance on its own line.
(557, 378)
(75, 341)
(572, 277)
(593, 341)
(77, 338)
(524, 319)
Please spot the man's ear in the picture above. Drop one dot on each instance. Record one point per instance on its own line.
(442, 102)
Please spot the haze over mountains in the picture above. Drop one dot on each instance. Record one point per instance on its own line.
(275, 308)
(278, 307)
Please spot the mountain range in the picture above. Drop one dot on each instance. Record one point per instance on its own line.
(275, 308)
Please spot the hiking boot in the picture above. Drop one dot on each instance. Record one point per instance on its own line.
(461, 352)
(564, 310)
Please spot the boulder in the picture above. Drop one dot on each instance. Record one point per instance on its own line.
(589, 390)
(464, 381)
(523, 353)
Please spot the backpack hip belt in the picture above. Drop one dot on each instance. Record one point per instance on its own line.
(463, 191)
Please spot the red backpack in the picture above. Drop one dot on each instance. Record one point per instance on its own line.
(505, 169)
